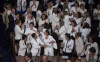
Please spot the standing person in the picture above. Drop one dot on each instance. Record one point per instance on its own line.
(33, 6)
(68, 45)
(21, 6)
(79, 45)
(18, 33)
(24, 46)
(28, 58)
(90, 44)
(29, 31)
(36, 45)
(50, 42)
(12, 20)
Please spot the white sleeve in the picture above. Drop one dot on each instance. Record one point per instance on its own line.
(21, 45)
(19, 30)
(71, 45)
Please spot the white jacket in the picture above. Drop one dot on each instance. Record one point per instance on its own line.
(68, 46)
(36, 48)
(23, 48)
(21, 4)
(34, 7)
(67, 21)
(18, 32)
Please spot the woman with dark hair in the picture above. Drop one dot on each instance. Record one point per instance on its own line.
(36, 45)
(28, 19)
(85, 31)
(50, 42)
(90, 44)
(68, 45)
(73, 28)
(24, 46)
(78, 19)
(43, 20)
(18, 32)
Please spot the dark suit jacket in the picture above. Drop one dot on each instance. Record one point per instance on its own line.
(11, 23)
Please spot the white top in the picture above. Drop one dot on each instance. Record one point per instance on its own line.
(76, 29)
(62, 32)
(34, 7)
(21, 4)
(81, 2)
(28, 21)
(68, 46)
(41, 22)
(23, 48)
(38, 15)
(18, 32)
(85, 32)
(67, 21)
(46, 42)
(29, 32)
(95, 45)
(79, 46)
(82, 11)
(78, 21)
(96, 14)
(88, 20)
(75, 10)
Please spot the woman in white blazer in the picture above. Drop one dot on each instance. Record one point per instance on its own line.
(90, 44)
(50, 42)
(24, 46)
(50, 10)
(87, 18)
(68, 45)
(85, 31)
(29, 19)
(36, 45)
(73, 28)
(75, 8)
(82, 9)
(43, 20)
(18, 33)
(21, 5)
(34, 5)
(30, 31)
(78, 19)
(55, 19)
(66, 20)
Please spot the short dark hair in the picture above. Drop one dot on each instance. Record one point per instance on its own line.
(29, 55)
(24, 36)
(47, 32)
(33, 35)
(68, 35)
(92, 49)
(32, 23)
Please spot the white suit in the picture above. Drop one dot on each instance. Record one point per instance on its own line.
(21, 4)
(49, 50)
(29, 31)
(18, 32)
(23, 48)
(68, 46)
(36, 48)
(67, 22)
(34, 7)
